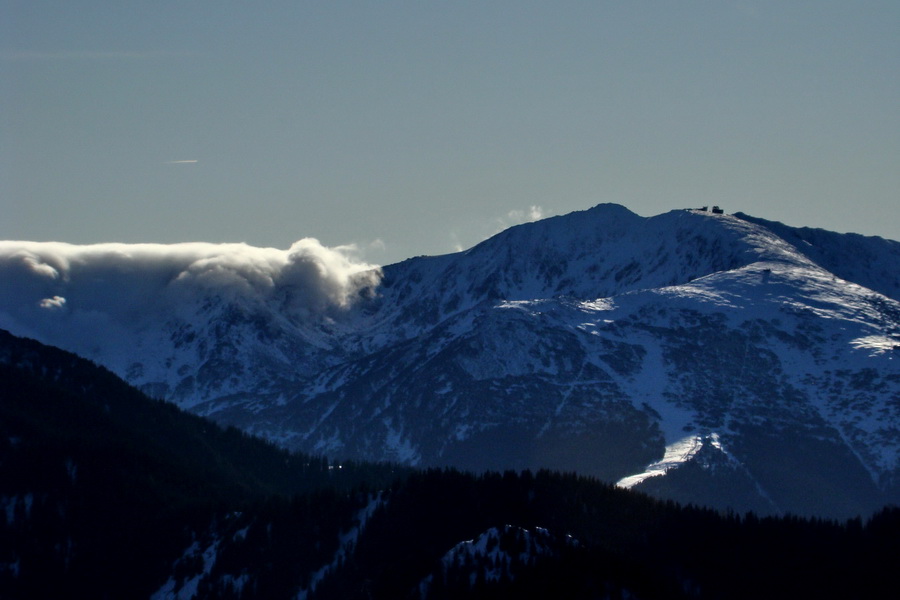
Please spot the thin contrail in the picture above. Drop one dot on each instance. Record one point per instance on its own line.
(181, 162)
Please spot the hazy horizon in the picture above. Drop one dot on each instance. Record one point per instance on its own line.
(411, 129)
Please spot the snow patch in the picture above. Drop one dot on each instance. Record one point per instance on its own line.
(171, 590)
(600, 304)
(676, 455)
(398, 446)
(12, 568)
(347, 542)
(11, 503)
(876, 344)
(493, 553)
(237, 583)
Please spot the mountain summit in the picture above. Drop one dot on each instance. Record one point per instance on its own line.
(712, 358)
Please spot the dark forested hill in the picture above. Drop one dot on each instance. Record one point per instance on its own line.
(445, 534)
(102, 487)
(105, 493)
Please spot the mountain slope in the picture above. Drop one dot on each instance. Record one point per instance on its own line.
(721, 328)
(598, 341)
(107, 493)
(102, 488)
(868, 261)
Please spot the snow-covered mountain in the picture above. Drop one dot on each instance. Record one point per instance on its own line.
(762, 358)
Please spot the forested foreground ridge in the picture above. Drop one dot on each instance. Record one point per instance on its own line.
(107, 493)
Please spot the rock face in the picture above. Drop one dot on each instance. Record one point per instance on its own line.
(593, 341)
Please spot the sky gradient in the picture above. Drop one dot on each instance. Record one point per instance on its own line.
(414, 128)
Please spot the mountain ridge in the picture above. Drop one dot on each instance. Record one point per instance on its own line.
(875, 251)
(590, 341)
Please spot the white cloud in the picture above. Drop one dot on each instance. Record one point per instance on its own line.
(519, 216)
(454, 240)
(54, 303)
(485, 229)
(533, 213)
(115, 285)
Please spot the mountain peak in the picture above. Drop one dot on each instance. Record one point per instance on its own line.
(596, 341)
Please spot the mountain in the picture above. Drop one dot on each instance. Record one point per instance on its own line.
(107, 493)
(716, 359)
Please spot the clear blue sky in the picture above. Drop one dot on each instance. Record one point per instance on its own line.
(417, 127)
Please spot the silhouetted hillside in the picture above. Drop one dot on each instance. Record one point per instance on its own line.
(105, 493)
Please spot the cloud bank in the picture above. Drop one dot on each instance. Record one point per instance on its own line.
(119, 285)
